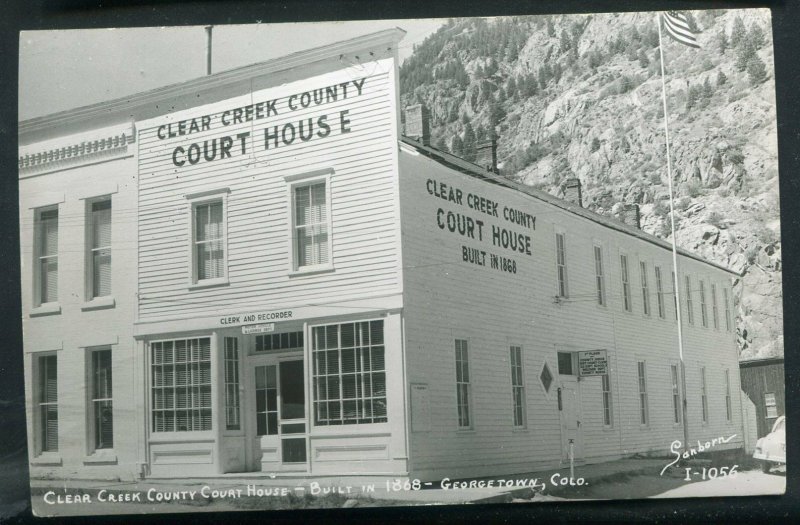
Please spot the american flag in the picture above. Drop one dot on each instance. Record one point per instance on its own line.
(678, 28)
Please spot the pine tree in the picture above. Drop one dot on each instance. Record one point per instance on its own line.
(738, 32)
(469, 152)
(721, 78)
(692, 95)
(595, 145)
(708, 91)
(511, 87)
(756, 36)
(480, 134)
(722, 41)
(441, 145)
(457, 146)
(756, 70)
(745, 52)
(643, 60)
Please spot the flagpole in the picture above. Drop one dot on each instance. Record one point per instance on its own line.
(676, 282)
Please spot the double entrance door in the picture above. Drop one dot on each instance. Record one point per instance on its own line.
(278, 418)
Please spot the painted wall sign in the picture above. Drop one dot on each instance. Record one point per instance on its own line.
(306, 128)
(258, 328)
(255, 317)
(512, 235)
(593, 363)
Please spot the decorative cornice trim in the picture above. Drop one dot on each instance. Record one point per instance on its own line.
(76, 153)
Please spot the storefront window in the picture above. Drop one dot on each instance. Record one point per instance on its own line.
(349, 373)
(181, 384)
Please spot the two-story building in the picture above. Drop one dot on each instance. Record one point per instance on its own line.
(295, 287)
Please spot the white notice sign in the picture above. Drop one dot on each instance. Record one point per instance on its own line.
(593, 363)
(258, 328)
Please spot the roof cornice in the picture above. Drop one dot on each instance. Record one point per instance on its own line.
(125, 108)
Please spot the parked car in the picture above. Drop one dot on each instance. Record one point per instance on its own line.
(771, 449)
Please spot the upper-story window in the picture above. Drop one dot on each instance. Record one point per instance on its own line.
(659, 292)
(561, 264)
(99, 244)
(46, 256)
(209, 237)
(599, 275)
(689, 305)
(626, 283)
(311, 223)
(645, 288)
(714, 308)
(703, 308)
(727, 309)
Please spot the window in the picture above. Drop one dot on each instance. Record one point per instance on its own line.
(517, 386)
(232, 384)
(102, 406)
(349, 373)
(643, 408)
(181, 384)
(561, 265)
(645, 288)
(676, 396)
(99, 243)
(714, 308)
(546, 378)
(703, 309)
(47, 398)
(626, 285)
(703, 396)
(689, 305)
(311, 225)
(727, 309)
(659, 293)
(599, 276)
(462, 384)
(266, 400)
(675, 295)
(46, 256)
(209, 241)
(282, 341)
(771, 406)
(728, 411)
(565, 367)
(606, 385)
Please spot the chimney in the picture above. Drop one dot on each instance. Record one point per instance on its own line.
(572, 191)
(417, 126)
(630, 215)
(487, 155)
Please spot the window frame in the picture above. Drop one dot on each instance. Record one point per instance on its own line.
(470, 422)
(38, 257)
(662, 310)
(768, 405)
(89, 240)
(562, 282)
(728, 405)
(231, 364)
(675, 305)
(600, 275)
(625, 278)
(608, 401)
(689, 303)
(703, 396)
(40, 441)
(646, 311)
(303, 180)
(518, 388)
(194, 201)
(728, 320)
(703, 304)
(677, 408)
(714, 306)
(644, 401)
(212, 407)
(92, 401)
(359, 373)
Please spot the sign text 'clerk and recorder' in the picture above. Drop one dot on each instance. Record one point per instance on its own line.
(303, 130)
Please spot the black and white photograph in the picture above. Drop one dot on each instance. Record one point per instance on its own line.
(525, 259)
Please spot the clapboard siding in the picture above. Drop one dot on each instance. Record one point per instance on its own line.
(363, 189)
(446, 298)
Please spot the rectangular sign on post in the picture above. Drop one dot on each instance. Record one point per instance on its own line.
(258, 328)
(593, 363)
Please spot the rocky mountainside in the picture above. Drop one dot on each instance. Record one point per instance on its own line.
(580, 96)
